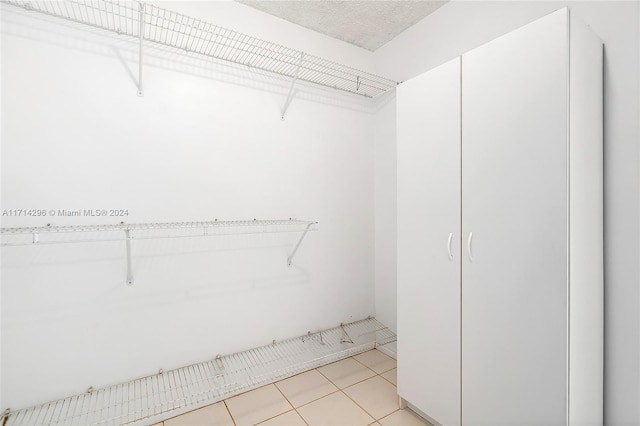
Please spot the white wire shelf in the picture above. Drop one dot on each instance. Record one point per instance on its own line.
(144, 231)
(176, 30)
(45, 235)
(174, 392)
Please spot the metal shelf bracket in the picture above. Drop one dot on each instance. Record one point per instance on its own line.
(140, 40)
(295, 249)
(127, 234)
(293, 83)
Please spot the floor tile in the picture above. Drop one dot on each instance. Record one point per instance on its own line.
(215, 414)
(306, 387)
(257, 405)
(376, 395)
(404, 417)
(392, 376)
(346, 372)
(334, 410)
(377, 361)
(290, 418)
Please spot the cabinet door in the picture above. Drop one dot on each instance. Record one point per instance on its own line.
(428, 111)
(514, 201)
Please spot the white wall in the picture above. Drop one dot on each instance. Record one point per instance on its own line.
(460, 26)
(206, 141)
(385, 210)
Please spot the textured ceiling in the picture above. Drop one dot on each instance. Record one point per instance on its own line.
(368, 24)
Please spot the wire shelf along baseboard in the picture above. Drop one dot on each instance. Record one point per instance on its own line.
(45, 235)
(170, 393)
(151, 23)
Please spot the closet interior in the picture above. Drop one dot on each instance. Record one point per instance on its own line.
(176, 191)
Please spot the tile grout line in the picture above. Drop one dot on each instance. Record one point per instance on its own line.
(341, 390)
(273, 417)
(300, 415)
(354, 357)
(282, 393)
(362, 408)
(318, 399)
(388, 379)
(372, 416)
(224, 401)
(391, 413)
(269, 418)
(383, 378)
(293, 408)
(355, 383)
(377, 374)
(313, 400)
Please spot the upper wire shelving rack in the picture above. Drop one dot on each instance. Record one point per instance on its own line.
(43, 235)
(154, 24)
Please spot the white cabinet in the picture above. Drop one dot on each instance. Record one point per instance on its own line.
(500, 231)
(429, 250)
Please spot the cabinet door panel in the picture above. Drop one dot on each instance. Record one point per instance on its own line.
(428, 227)
(514, 201)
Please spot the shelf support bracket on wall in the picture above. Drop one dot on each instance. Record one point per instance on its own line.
(295, 249)
(293, 83)
(127, 234)
(140, 40)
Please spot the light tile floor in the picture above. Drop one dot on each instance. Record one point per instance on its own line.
(360, 390)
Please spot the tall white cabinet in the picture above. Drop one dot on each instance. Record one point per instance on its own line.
(500, 267)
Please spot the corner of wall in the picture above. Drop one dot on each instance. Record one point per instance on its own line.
(385, 210)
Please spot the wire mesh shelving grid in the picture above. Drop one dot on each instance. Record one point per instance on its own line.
(45, 235)
(41, 235)
(180, 31)
(173, 392)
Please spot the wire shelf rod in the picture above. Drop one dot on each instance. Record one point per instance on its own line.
(153, 226)
(135, 238)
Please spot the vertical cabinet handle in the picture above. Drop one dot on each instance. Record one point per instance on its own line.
(449, 246)
(469, 246)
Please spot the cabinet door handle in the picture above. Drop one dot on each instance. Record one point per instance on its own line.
(469, 246)
(449, 246)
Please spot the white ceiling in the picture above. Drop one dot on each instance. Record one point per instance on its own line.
(368, 24)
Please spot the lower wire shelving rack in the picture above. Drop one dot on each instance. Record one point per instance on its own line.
(170, 393)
